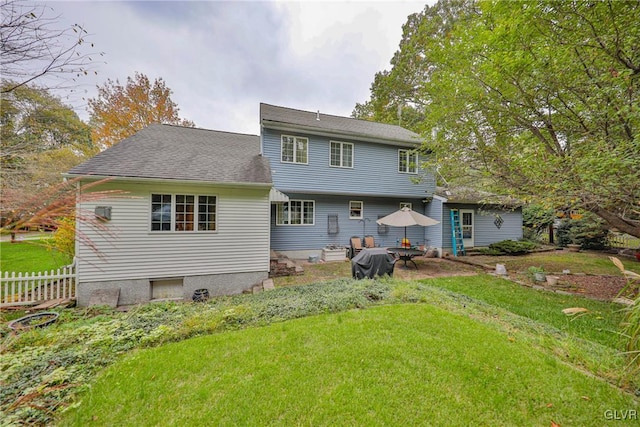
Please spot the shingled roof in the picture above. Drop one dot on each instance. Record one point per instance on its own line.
(182, 153)
(318, 122)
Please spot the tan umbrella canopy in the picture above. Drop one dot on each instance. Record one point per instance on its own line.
(406, 217)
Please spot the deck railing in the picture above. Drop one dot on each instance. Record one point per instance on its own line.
(30, 288)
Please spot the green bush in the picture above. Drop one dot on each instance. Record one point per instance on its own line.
(589, 232)
(509, 247)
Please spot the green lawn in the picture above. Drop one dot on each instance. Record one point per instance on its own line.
(598, 325)
(343, 351)
(30, 256)
(410, 364)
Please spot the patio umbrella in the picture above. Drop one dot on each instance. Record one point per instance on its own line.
(406, 217)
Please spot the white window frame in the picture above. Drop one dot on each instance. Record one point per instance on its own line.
(406, 204)
(280, 221)
(341, 160)
(361, 209)
(173, 213)
(408, 154)
(296, 140)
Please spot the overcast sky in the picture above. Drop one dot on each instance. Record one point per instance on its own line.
(222, 58)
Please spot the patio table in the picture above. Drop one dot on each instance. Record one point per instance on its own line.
(406, 254)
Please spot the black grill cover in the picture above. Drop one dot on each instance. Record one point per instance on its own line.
(371, 262)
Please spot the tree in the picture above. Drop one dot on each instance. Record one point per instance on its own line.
(32, 47)
(396, 94)
(120, 111)
(539, 100)
(40, 137)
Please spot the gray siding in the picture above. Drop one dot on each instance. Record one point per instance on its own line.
(374, 172)
(315, 237)
(433, 234)
(485, 231)
(128, 250)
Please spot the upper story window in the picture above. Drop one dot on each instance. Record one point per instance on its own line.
(407, 161)
(183, 212)
(355, 209)
(295, 212)
(341, 154)
(294, 149)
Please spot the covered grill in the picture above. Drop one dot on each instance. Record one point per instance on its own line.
(372, 262)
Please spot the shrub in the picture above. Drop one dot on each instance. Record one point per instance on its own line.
(64, 238)
(589, 232)
(509, 247)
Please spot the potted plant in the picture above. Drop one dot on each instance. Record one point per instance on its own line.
(537, 274)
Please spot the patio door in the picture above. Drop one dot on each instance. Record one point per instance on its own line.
(466, 222)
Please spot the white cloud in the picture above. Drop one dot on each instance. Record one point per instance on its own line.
(221, 59)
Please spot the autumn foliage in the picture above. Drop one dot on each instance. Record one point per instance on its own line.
(119, 110)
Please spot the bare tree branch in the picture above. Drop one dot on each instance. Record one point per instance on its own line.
(33, 46)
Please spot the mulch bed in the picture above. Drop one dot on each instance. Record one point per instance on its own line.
(599, 287)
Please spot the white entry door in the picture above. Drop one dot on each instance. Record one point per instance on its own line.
(466, 221)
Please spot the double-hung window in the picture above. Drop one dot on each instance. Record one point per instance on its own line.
(295, 212)
(183, 212)
(294, 149)
(355, 209)
(341, 154)
(407, 161)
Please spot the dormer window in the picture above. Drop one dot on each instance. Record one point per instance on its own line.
(407, 161)
(294, 149)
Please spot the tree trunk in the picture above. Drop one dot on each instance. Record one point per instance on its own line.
(623, 225)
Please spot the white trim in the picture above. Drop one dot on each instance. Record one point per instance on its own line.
(468, 242)
(295, 156)
(142, 180)
(361, 209)
(409, 153)
(173, 214)
(342, 144)
(302, 223)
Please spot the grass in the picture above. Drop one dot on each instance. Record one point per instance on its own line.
(30, 256)
(44, 371)
(393, 365)
(598, 325)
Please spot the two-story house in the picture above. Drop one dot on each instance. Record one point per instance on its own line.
(336, 176)
(339, 176)
(203, 209)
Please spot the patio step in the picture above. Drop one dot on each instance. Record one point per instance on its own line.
(280, 265)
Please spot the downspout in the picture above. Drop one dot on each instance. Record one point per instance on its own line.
(261, 139)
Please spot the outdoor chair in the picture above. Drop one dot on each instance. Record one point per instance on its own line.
(369, 242)
(356, 246)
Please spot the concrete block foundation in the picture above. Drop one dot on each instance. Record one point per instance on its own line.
(140, 291)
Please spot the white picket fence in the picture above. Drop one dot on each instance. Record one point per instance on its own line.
(30, 288)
